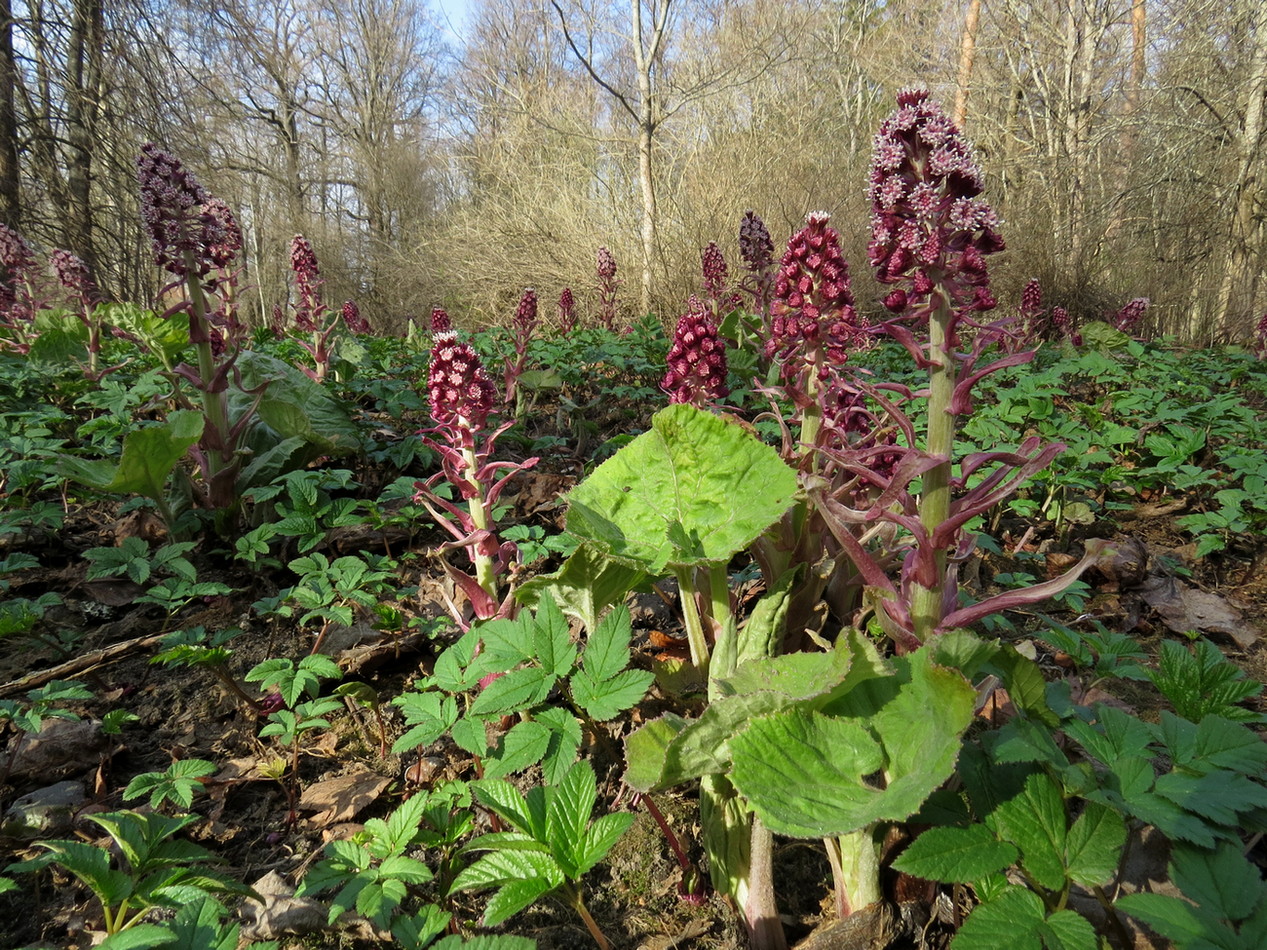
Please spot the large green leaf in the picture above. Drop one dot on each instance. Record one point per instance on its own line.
(807, 774)
(149, 455)
(292, 405)
(694, 489)
(587, 584)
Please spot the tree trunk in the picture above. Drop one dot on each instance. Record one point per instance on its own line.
(10, 194)
(967, 57)
(83, 90)
(1235, 299)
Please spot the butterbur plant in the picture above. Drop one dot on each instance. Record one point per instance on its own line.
(757, 250)
(312, 316)
(697, 360)
(567, 311)
(17, 303)
(72, 274)
(461, 397)
(607, 287)
(1127, 319)
(523, 327)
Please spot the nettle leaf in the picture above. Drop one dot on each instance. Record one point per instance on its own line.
(1034, 820)
(507, 643)
(694, 489)
(1222, 744)
(956, 855)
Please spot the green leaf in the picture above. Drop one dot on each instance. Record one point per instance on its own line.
(1221, 881)
(1034, 820)
(1012, 921)
(607, 646)
(515, 691)
(608, 699)
(599, 839)
(587, 584)
(293, 406)
(1094, 845)
(568, 815)
(1219, 796)
(145, 936)
(198, 927)
(1069, 930)
(149, 455)
(414, 933)
(956, 855)
(471, 735)
(513, 897)
(695, 489)
(552, 643)
(402, 824)
(522, 747)
(1188, 926)
(504, 800)
(646, 749)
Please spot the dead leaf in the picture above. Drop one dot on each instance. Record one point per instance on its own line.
(1185, 609)
(279, 911)
(343, 798)
(62, 747)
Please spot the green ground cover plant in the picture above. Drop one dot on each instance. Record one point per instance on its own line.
(805, 570)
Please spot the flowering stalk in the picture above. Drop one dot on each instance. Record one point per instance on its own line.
(1260, 337)
(1131, 313)
(311, 314)
(567, 311)
(607, 286)
(757, 250)
(72, 274)
(196, 240)
(523, 326)
(697, 359)
(461, 397)
(17, 302)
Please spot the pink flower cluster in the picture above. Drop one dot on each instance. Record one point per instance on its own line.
(928, 227)
(567, 311)
(352, 318)
(697, 359)
(459, 390)
(755, 246)
(309, 309)
(1130, 314)
(72, 273)
(813, 307)
(526, 312)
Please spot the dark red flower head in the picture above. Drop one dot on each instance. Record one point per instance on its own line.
(458, 388)
(1032, 297)
(697, 359)
(567, 311)
(526, 312)
(175, 213)
(813, 307)
(1126, 318)
(309, 309)
(352, 318)
(713, 268)
(928, 226)
(755, 246)
(606, 264)
(441, 325)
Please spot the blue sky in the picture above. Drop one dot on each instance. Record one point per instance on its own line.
(452, 16)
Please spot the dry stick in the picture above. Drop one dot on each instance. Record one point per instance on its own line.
(81, 664)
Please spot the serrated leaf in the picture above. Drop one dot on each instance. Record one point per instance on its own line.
(504, 800)
(1068, 930)
(1221, 881)
(956, 855)
(402, 824)
(599, 839)
(565, 740)
(694, 489)
(645, 751)
(500, 867)
(1012, 921)
(1178, 920)
(607, 699)
(552, 641)
(513, 897)
(523, 746)
(587, 584)
(415, 932)
(514, 692)
(143, 937)
(508, 642)
(1094, 845)
(1223, 744)
(1170, 819)
(1034, 820)
(607, 646)
(1219, 796)
(568, 815)
(470, 735)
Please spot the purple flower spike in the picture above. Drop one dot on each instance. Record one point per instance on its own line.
(607, 285)
(567, 311)
(1032, 297)
(526, 312)
(441, 325)
(72, 273)
(755, 246)
(352, 318)
(1126, 318)
(697, 360)
(928, 227)
(459, 389)
(175, 214)
(1260, 337)
(713, 268)
(606, 264)
(224, 251)
(813, 308)
(309, 310)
